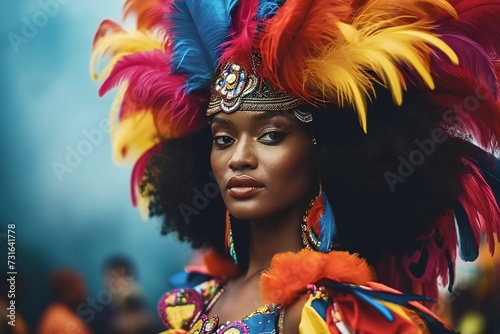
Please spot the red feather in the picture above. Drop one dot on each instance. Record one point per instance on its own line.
(481, 207)
(472, 104)
(315, 213)
(243, 31)
(447, 232)
(289, 37)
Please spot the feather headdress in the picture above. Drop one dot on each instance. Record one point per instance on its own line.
(319, 52)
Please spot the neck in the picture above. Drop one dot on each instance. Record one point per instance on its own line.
(271, 236)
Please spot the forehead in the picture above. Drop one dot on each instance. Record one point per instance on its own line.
(250, 116)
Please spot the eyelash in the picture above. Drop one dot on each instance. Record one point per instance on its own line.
(222, 145)
(281, 135)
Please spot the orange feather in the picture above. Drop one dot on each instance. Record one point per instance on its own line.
(290, 273)
(289, 38)
(219, 266)
(146, 11)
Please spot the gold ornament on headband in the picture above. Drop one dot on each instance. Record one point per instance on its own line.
(238, 88)
(232, 85)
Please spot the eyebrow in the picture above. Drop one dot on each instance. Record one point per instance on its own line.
(258, 116)
(266, 115)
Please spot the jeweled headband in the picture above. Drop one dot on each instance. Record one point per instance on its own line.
(238, 88)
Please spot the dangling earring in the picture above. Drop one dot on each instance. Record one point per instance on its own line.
(229, 238)
(318, 224)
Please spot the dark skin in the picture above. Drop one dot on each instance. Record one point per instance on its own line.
(276, 152)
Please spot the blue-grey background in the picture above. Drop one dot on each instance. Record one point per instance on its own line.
(48, 101)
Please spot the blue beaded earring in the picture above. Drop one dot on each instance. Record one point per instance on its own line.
(229, 238)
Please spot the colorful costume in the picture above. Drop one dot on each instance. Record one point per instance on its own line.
(189, 59)
(342, 300)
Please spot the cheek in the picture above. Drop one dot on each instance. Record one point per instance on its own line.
(217, 163)
(292, 167)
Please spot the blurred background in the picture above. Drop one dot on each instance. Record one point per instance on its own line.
(70, 205)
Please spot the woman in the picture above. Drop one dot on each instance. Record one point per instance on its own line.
(296, 110)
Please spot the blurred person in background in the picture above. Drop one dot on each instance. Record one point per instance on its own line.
(68, 290)
(126, 312)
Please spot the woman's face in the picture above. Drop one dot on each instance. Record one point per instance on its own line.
(263, 163)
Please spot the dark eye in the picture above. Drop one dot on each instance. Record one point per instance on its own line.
(272, 137)
(223, 141)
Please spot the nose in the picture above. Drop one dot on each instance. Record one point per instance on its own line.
(243, 156)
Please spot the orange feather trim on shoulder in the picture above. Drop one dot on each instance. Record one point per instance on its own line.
(290, 273)
(219, 266)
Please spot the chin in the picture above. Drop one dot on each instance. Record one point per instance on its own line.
(246, 210)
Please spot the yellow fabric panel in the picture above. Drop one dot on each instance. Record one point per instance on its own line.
(310, 321)
(179, 314)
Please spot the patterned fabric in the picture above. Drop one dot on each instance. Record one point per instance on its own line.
(338, 308)
(332, 307)
(184, 311)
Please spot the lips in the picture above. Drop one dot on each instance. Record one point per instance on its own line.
(243, 186)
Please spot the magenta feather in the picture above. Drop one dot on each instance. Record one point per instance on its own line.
(472, 57)
(150, 85)
(243, 30)
(478, 20)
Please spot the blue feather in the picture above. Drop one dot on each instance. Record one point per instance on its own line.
(396, 298)
(267, 8)
(199, 27)
(376, 305)
(372, 297)
(327, 225)
(451, 271)
(469, 249)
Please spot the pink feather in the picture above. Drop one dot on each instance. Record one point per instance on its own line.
(150, 84)
(243, 30)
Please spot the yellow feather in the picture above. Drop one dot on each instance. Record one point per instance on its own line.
(422, 9)
(133, 136)
(119, 44)
(360, 55)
